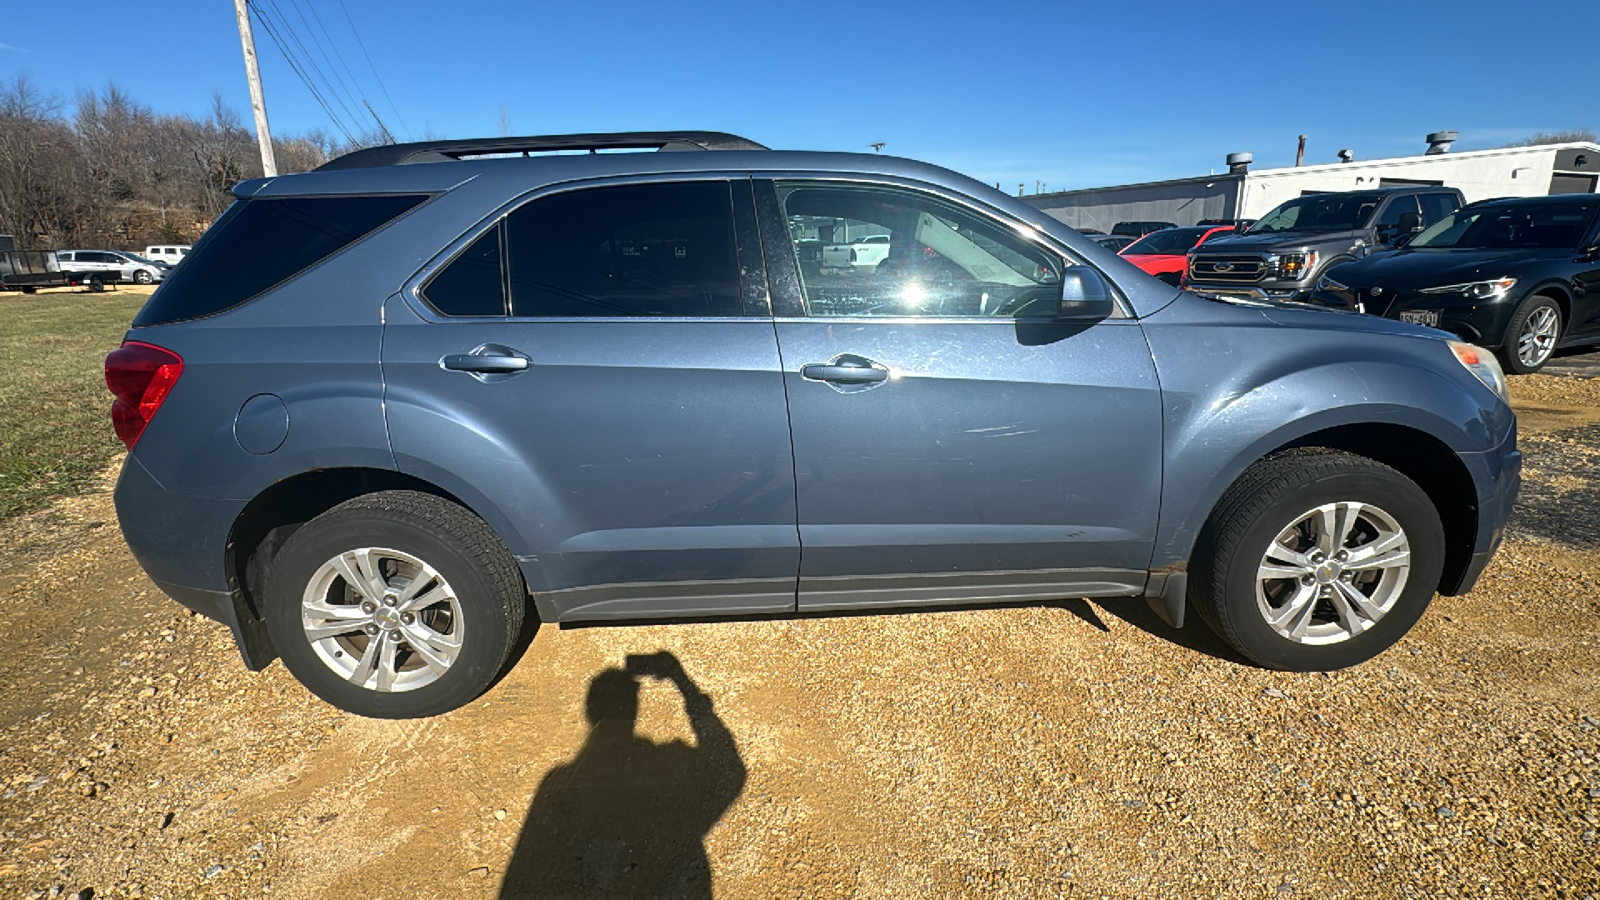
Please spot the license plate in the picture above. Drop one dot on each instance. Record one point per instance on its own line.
(1429, 317)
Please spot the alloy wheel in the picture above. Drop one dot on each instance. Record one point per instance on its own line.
(1332, 573)
(382, 619)
(1538, 337)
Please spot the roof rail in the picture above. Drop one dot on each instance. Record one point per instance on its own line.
(444, 151)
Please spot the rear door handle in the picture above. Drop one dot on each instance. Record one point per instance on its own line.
(843, 374)
(487, 359)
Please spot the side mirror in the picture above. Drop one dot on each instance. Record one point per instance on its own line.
(1410, 223)
(1085, 296)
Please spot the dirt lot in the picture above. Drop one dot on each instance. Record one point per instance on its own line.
(1073, 750)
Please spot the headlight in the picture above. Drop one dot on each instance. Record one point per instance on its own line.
(1293, 265)
(1328, 284)
(1477, 290)
(1481, 363)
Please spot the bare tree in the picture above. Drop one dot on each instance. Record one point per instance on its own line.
(1555, 137)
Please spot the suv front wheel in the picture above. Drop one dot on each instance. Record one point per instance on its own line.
(1317, 559)
(395, 605)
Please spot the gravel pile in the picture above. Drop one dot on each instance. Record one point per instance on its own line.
(1066, 750)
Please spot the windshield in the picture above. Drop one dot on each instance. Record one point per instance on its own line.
(1168, 242)
(1505, 226)
(1320, 212)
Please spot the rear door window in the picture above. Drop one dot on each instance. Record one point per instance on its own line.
(261, 243)
(662, 249)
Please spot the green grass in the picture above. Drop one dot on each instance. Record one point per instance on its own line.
(55, 411)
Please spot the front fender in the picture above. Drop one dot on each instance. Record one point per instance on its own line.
(1235, 390)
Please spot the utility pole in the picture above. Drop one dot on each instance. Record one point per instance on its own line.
(258, 102)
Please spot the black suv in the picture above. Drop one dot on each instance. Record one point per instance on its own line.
(1519, 275)
(1281, 256)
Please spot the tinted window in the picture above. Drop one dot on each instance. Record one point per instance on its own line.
(261, 243)
(1505, 226)
(1437, 206)
(1167, 242)
(1319, 212)
(941, 260)
(634, 250)
(1398, 207)
(471, 284)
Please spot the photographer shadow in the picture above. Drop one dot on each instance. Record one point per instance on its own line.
(627, 817)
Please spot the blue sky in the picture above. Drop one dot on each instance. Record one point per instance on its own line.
(1071, 94)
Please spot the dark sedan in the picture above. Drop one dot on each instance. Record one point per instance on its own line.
(1520, 275)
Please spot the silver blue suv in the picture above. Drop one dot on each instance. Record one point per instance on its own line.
(392, 414)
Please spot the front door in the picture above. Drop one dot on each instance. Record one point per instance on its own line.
(953, 443)
(600, 365)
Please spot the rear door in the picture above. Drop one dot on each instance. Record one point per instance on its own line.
(953, 442)
(600, 364)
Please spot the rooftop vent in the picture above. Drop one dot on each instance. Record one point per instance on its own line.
(1440, 141)
(1347, 155)
(1239, 163)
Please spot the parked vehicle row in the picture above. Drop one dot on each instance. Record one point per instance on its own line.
(1165, 253)
(1281, 255)
(618, 386)
(114, 265)
(1520, 276)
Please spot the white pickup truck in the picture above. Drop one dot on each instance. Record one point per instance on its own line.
(862, 252)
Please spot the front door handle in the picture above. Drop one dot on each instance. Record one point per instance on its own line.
(486, 359)
(472, 362)
(836, 373)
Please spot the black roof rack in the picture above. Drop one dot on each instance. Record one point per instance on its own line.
(444, 151)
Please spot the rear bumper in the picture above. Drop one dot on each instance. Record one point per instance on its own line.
(181, 543)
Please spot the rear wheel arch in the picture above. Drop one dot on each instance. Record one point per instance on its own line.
(268, 520)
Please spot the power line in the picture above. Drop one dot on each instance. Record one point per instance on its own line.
(362, 44)
(288, 55)
(360, 92)
(308, 62)
(343, 89)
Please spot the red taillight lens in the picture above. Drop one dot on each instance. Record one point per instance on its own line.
(141, 376)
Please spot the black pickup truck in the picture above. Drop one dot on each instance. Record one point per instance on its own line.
(1281, 255)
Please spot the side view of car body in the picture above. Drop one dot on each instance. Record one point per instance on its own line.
(1519, 275)
(113, 264)
(465, 395)
(1164, 253)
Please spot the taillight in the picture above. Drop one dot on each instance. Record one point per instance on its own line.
(141, 376)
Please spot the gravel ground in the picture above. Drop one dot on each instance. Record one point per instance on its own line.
(1066, 750)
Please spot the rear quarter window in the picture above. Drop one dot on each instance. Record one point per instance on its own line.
(261, 243)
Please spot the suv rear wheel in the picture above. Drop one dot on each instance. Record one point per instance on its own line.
(1317, 559)
(395, 605)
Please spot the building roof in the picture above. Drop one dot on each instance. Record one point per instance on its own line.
(1327, 167)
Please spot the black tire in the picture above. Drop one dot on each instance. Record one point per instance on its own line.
(140, 276)
(1269, 498)
(96, 284)
(486, 616)
(30, 290)
(1534, 314)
